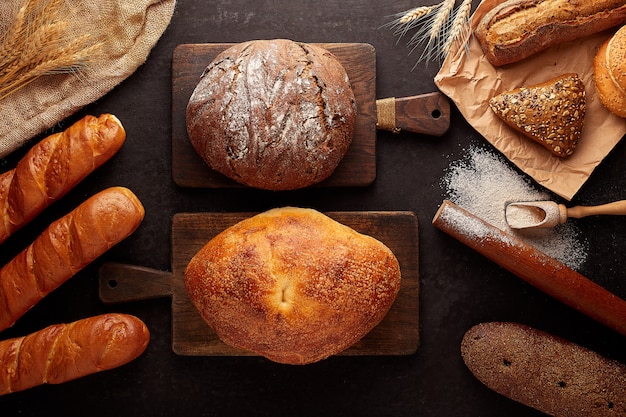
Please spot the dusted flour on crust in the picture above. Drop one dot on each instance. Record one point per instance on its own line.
(273, 114)
(293, 285)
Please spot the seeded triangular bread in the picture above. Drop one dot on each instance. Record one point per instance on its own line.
(551, 113)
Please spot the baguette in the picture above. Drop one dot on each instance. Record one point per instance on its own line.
(63, 352)
(53, 166)
(517, 29)
(545, 372)
(65, 247)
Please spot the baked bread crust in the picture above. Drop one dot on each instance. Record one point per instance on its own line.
(616, 52)
(545, 372)
(64, 352)
(551, 113)
(293, 285)
(608, 92)
(273, 114)
(517, 29)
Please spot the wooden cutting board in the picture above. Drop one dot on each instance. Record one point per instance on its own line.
(397, 334)
(358, 167)
(427, 113)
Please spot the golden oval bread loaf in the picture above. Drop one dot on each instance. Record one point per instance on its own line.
(551, 113)
(545, 372)
(293, 285)
(273, 114)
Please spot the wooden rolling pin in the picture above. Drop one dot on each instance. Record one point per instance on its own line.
(533, 266)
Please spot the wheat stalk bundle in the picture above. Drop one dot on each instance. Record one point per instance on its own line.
(437, 27)
(37, 43)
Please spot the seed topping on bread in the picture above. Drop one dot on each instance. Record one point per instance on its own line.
(551, 113)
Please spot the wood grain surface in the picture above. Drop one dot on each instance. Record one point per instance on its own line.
(397, 334)
(357, 168)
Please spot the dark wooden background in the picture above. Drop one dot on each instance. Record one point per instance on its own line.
(458, 288)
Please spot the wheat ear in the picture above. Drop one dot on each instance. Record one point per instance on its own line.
(437, 29)
(415, 14)
(460, 30)
(406, 21)
(37, 44)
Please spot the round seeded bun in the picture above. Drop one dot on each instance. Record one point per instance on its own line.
(606, 75)
(273, 114)
(293, 285)
(615, 58)
(608, 93)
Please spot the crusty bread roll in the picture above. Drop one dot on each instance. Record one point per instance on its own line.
(63, 352)
(545, 372)
(615, 58)
(273, 114)
(609, 71)
(551, 113)
(516, 29)
(292, 285)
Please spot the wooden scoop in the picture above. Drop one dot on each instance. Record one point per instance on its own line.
(542, 214)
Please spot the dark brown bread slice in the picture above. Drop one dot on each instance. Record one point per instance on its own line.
(545, 372)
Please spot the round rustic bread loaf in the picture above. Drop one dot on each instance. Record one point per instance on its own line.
(292, 285)
(273, 114)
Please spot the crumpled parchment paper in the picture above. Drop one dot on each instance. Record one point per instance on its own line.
(469, 80)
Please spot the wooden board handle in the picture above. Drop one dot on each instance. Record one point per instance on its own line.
(533, 266)
(121, 283)
(426, 114)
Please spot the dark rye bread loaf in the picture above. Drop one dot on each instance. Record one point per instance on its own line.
(545, 372)
(273, 114)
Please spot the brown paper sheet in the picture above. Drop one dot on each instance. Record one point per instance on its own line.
(469, 80)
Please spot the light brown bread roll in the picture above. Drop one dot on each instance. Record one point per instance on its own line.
(609, 71)
(293, 285)
(545, 372)
(616, 58)
(551, 113)
(273, 114)
(516, 29)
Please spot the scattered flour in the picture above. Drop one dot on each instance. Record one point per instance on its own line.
(483, 184)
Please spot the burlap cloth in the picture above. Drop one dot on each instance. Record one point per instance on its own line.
(129, 28)
(470, 80)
